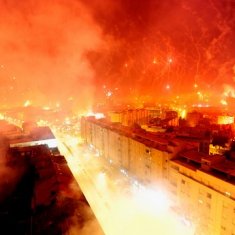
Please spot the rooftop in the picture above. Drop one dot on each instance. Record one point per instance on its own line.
(216, 165)
(158, 141)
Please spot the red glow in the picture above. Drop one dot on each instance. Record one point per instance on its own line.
(56, 50)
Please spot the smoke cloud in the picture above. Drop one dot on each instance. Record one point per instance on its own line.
(43, 47)
(69, 52)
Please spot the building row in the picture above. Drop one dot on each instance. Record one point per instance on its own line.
(201, 186)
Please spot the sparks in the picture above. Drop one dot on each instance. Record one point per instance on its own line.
(109, 93)
(168, 87)
(224, 102)
(27, 103)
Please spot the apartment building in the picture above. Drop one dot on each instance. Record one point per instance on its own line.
(200, 185)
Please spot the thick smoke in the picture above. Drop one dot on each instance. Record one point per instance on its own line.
(82, 220)
(43, 47)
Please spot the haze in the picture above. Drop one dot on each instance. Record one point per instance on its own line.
(68, 52)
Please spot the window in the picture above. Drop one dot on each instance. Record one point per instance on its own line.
(183, 181)
(223, 228)
(147, 151)
(208, 195)
(225, 205)
(173, 183)
(208, 205)
(200, 201)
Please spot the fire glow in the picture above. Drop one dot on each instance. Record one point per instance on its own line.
(53, 59)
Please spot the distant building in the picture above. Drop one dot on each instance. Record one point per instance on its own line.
(170, 114)
(193, 118)
(154, 112)
(129, 116)
(27, 127)
(216, 149)
(224, 120)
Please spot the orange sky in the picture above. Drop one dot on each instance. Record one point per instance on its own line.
(77, 52)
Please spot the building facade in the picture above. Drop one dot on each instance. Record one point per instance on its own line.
(200, 185)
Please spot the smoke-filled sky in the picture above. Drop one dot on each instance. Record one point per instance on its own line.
(70, 51)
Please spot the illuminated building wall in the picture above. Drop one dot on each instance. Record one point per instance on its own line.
(203, 198)
(115, 116)
(130, 116)
(223, 120)
(206, 200)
